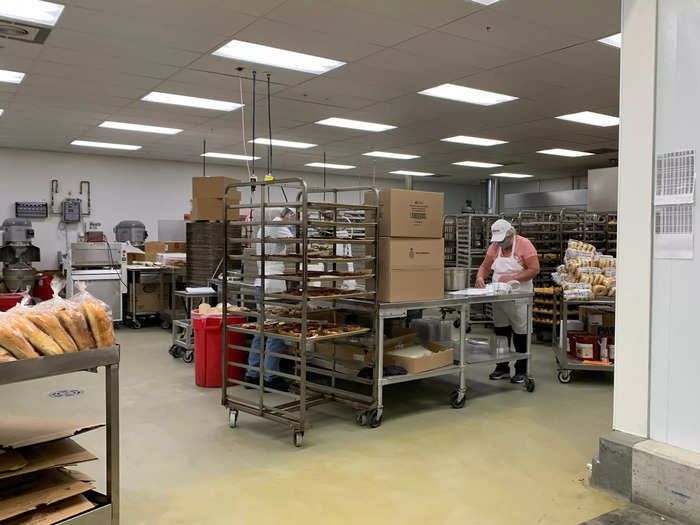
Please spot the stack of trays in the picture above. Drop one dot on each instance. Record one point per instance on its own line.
(205, 248)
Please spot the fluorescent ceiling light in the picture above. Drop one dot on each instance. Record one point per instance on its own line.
(468, 95)
(474, 141)
(387, 155)
(485, 2)
(1, 112)
(228, 156)
(284, 143)
(412, 173)
(329, 166)
(272, 56)
(106, 145)
(194, 102)
(592, 119)
(512, 175)
(354, 124)
(565, 152)
(473, 164)
(612, 40)
(139, 127)
(13, 77)
(46, 13)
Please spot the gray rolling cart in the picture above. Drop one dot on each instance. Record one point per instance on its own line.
(182, 330)
(134, 277)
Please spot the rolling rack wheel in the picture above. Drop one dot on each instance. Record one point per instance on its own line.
(188, 356)
(232, 418)
(298, 438)
(530, 384)
(135, 324)
(374, 418)
(455, 401)
(361, 418)
(165, 325)
(564, 376)
(457, 323)
(174, 351)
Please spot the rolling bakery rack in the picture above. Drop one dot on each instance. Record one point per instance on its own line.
(317, 223)
(107, 510)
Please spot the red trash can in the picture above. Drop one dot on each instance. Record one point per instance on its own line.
(207, 349)
(8, 300)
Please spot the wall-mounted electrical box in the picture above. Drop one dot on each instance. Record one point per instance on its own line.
(31, 210)
(70, 210)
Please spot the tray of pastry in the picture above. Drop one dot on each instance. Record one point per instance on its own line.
(292, 331)
(313, 258)
(325, 276)
(323, 294)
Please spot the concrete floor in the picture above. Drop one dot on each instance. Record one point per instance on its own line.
(508, 457)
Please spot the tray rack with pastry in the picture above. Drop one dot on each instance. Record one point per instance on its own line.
(326, 254)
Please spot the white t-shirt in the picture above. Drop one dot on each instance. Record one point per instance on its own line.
(273, 248)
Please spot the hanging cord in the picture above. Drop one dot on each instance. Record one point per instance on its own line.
(245, 147)
(324, 175)
(204, 157)
(252, 176)
(269, 128)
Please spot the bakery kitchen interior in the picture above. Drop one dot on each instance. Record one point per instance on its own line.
(266, 257)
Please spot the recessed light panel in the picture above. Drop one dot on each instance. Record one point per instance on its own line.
(229, 156)
(355, 124)
(466, 94)
(512, 175)
(612, 40)
(329, 166)
(105, 145)
(387, 155)
(12, 77)
(474, 164)
(284, 143)
(46, 13)
(474, 141)
(139, 127)
(272, 56)
(193, 102)
(412, 173)
(592, 119)
(485, 2)
(565, 152)
(1, 112)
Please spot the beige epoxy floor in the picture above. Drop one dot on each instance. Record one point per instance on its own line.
(508, 457)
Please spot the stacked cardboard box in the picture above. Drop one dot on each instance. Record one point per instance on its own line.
(208, 198)
(411, 256)
(153, 248)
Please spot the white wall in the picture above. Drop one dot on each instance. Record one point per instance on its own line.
(145, 190)
(602, 189)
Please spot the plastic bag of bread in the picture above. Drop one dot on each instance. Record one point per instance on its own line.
(44, 316)
(98, 315)
(42, 342)
(6, 357)
(12, 340)
(74, 322)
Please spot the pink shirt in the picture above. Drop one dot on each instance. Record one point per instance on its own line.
(523, 250)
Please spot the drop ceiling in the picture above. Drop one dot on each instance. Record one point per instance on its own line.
(104, 55)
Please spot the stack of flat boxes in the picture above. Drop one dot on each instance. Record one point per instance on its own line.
(411, 260)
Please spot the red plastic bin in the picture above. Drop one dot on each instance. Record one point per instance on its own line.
(8, 300)
(207, 349)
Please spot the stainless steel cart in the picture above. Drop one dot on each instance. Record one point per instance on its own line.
(565, 362)
(134, 273)
(107, 510)
(182, 344)
(170, 278)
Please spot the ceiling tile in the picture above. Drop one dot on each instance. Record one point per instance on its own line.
(119, 64)
(418, 12)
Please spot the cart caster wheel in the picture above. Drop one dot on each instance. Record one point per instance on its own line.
(166, 325)
(173, 351)
(457, 323)
(232, 418)
(135, 324)
(468, 329)
(361, 418)
(564, 376)
(188, 356)
(455, 402)
(530, 385)
(298, 438)
(374, 419)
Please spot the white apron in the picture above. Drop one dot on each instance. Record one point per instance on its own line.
(510, 314)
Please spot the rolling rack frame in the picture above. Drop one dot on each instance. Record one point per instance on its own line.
(305, 393)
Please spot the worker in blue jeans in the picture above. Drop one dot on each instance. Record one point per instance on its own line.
(271, 363)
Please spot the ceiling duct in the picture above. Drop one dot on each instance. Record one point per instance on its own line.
(489, 196)
(23, 32)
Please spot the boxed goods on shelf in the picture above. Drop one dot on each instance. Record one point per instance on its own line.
(409, 213)
(153, 248)
(353, 356)
(410, 269)
(148, 298)
(214, 187)
(598, 320)
(420, 358)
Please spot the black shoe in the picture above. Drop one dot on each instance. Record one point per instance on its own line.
(518, 378)
(499, 374)
(277, 383)
(252, 381)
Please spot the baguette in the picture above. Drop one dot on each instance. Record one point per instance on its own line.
(75, 324)
(100, 323)
(6, 356)
(15, 343)
(39, 340)
(48, 323)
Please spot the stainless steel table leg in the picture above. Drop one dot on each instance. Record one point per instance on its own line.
(112, 437)
(379, 373)
(462, 365)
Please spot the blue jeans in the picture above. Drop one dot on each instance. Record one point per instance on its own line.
(271, 345)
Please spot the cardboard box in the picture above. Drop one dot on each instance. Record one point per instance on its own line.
(353, 356)
(47, 455)
(16, 432)
(411, 269)
(54, 513)
(214, 187)
(409, 213)
(131, 258)
(597, 320)
(211, 209)
(148, 298)
(153, 248)
(440, 356)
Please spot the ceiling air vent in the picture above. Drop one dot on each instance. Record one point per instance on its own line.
(23, 32)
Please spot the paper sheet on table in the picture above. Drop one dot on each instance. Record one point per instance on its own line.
(201, 289)
(471, 291)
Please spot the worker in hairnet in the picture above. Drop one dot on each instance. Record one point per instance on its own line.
(512, 258)
(274, 345)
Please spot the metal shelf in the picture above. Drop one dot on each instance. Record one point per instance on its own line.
(291, 339)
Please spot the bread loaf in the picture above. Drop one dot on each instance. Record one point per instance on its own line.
(48, 323)
(15, 343)
(75, 324)
(39, 340)
(6, 356)
(100, 323)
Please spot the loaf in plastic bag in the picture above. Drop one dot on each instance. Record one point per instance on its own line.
(13, 341)
(44, 316)
(98, 315)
